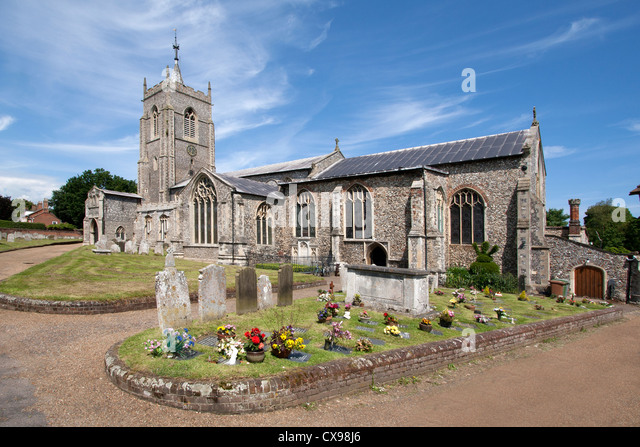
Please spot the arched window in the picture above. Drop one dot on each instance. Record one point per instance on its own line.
(205, 218)
(264, 225)
(189, 123)
(358, 213)
(148, 224)
(120, 234)
(155, 125)
(164, 227)
(440, 210)
(467, 217)
(306, 215)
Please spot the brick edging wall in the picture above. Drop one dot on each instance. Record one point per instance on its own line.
(88, 307)
(331, 379)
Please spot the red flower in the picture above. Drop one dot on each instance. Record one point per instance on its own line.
(255, 339)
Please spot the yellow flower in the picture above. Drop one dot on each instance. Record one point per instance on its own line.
(274, 346)
(283, 336)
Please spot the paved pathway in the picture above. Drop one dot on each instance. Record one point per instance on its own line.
(52, 373)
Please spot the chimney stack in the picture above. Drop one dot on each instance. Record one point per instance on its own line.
(574, 217)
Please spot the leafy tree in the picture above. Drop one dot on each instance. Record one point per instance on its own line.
(557, 218)
(68, 201)
(6, 209)
(608, 226)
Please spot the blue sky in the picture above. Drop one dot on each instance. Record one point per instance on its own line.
(288, 77)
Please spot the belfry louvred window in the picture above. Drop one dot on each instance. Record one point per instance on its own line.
(467, 217)
(189, 124)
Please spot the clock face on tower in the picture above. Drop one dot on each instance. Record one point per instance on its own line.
(191, 150)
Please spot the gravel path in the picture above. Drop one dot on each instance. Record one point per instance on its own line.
(52, 374)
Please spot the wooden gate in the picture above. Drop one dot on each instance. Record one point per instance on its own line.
(589, 281)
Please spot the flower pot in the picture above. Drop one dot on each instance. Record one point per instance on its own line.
(426, 327)
(281, 354)
(328, 345)
(255, 356)
(470, 306)
(444, 323)
(364, 320)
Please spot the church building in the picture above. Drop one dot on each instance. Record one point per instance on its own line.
(420, 207)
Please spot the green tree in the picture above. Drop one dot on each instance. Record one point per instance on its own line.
(607, 226)
(68, 201)
(557, 218)
(6, 209)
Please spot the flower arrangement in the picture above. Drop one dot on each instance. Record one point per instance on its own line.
(227, 346)
(392, 330)
(177, 344)
(255, 340)
(560, 299)
(439, 292)
(425, 321)
(357, 300)
(539, 307)
(453, 302)
(500, 312)
(390, 320)
(481, 318)
(337, 333)
(446, 317)
(228, 330)
(364, 345)
(523, 296)
(283, 341)
(425, 325)
(323, 314)
(153, 347)
(323, 295)
(333, 308)
(364, 316)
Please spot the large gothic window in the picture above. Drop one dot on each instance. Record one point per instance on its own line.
(467, 217)
(264, 225)
(189, 123)
(358, 213)
(205, 218)
(306, 215)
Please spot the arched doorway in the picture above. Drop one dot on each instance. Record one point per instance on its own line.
(95, 234)
(589, 281)
(377, 255)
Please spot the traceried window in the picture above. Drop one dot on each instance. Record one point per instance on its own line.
(264, 225)
(205, 217)
(306, 215)
(148, 223)
(189, 123)
(358, 213)
(120, 234)
(164, 227)
(155, 125)
(467, 217)
(440, 210)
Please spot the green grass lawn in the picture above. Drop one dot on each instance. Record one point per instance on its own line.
(83, 275)
(302, 314)
(21, 243)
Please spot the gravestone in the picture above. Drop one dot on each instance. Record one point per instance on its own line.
(265, 293)
(27, 237)
(101, 244)
(285, 285)
(11, 237)
(246, 291)
(144, 248)
(212, 293)
(114, 248)
(172, 297)
(129, 247)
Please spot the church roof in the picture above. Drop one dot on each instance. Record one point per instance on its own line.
(248, 186)
(293, 165)
(635, 191)
(120, 193)
(473, 149)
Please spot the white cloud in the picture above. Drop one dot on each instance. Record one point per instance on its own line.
(27, 187)
(5, 122)
(556, 151)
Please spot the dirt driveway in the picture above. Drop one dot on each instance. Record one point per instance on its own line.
(52, 373)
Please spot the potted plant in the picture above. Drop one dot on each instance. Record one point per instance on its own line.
(390, 320)
(481, 318)
(254, 345)
(226, 331)
(177, 344)
(392, 330)
(364, 345)
(283, 341)
(336, 333)
(446, 318)
(364, 316)
(500, 312)
(333, 308)
(425, 325)
(357, 300)
(324, 315)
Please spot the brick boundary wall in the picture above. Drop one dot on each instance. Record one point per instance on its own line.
(87, 307)
(331, 379)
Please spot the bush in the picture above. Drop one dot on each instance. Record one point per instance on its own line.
(26, 225)
(276, 266)
(459, 277)
(484, 267)
(61, 226)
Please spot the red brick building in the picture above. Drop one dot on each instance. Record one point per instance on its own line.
(40, 214)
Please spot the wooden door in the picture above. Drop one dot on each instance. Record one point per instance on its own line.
(589, 281)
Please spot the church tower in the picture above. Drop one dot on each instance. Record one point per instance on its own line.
(177, 135)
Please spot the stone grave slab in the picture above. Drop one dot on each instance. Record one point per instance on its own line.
(375, 341)
(340, 349)
(368, 329)
(299, 356)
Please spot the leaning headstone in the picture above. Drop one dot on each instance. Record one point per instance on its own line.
(144, 248)
(285, 285)
(172, 298)
(159, 248)
(11, 237)
(101, 244)
(212, 293)
(115, 248)
(265, 293)
(246, 293)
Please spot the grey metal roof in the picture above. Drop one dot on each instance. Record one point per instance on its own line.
(247, 186)
(473, 149)
(293, 165)
(119, 193)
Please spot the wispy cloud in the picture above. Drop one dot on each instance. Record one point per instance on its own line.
(557, 152)
(5, 122)
(126, 144)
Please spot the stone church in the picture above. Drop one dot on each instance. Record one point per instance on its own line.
(420, 207)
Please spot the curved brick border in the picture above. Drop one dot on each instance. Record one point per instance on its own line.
(87, 307)
(337, 377)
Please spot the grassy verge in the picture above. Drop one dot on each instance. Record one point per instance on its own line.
(82, 275)
(21, 243)
(302, 314)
